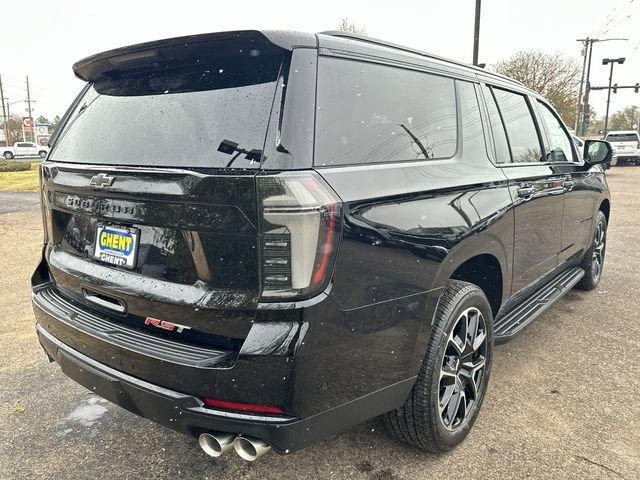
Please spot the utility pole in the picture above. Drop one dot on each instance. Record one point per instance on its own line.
(579, 100)
(611, 61)
(588, 43)
(587, 87)
(476, 33)
(29, 102)
(4, 115)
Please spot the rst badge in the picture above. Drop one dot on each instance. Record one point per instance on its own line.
(117, 245)
(163, 324)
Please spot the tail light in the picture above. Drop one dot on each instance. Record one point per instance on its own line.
(300, 226)
(242, 407)
(44, 205)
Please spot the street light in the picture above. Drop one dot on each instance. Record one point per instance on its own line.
(588, 44)
(612, 62)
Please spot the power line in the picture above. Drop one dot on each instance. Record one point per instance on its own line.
(612, 16)
(635, 49)
(621, 21)
(15, 82)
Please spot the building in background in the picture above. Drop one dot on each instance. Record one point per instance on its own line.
(43, 133)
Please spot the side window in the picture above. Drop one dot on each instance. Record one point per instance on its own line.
(521, 130)
(473, 144)
(559, 142)
(369, 113)
(500, 142)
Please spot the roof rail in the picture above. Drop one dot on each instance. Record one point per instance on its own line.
(375, 41)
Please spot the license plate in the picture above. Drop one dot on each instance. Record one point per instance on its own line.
(117, 245)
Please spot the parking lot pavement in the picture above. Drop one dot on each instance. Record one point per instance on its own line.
(562, 402)
(17, 201)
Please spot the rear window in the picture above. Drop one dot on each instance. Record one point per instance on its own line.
(192, 116)
(521, 129)
(370, 113)
(622, 137)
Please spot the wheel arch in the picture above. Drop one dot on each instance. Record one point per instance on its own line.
(605, 207)
(484, 262)
(485, 271)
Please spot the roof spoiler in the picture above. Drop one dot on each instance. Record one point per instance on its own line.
(180, 50)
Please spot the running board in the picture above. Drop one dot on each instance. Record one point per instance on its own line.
(508, 325)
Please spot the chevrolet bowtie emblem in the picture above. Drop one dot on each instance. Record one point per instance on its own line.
(101, 180)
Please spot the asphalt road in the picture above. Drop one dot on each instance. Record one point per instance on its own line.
(17, 201)
(563, 401)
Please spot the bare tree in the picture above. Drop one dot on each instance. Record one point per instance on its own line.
(550, 74)
(346, 25)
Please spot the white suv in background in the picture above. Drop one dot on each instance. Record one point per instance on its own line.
(626, 146)
(25, 149)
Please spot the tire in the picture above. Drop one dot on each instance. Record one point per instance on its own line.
(42, 154)
(593, 261)
(8, 155)
(420, 421)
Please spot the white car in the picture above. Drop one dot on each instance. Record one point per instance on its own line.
(24, 149)
(626, 146)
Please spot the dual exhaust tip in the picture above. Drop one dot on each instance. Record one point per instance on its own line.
(249, 448)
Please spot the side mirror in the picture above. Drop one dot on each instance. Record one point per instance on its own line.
(597, 151)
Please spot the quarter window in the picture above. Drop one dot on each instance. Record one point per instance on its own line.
(473, 144)
(497, 128)
(559, 142)
(521, 130)
(369, 113)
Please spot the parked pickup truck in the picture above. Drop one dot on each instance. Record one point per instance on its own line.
(626, 146)
(25, 149)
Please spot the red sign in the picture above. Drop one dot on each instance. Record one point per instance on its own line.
(27, 122)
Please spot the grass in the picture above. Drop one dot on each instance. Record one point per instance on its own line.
(26, 181)
(13, 166)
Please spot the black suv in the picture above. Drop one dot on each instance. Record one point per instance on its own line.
(262, 238)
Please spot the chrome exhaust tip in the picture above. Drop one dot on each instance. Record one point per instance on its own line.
(250, 448)
(215, 444)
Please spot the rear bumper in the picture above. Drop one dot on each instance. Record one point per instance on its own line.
(83, 362)
(627, 155)
(174, 410)
(186, 413)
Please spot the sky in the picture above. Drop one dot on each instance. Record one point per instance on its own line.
(62, 32)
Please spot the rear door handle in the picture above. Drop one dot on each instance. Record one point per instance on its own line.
(526, 191)
(104, 302)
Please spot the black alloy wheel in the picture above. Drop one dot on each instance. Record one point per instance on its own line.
(462, 371)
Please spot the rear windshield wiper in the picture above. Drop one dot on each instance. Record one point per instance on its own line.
(417, 141)
(228, 147)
